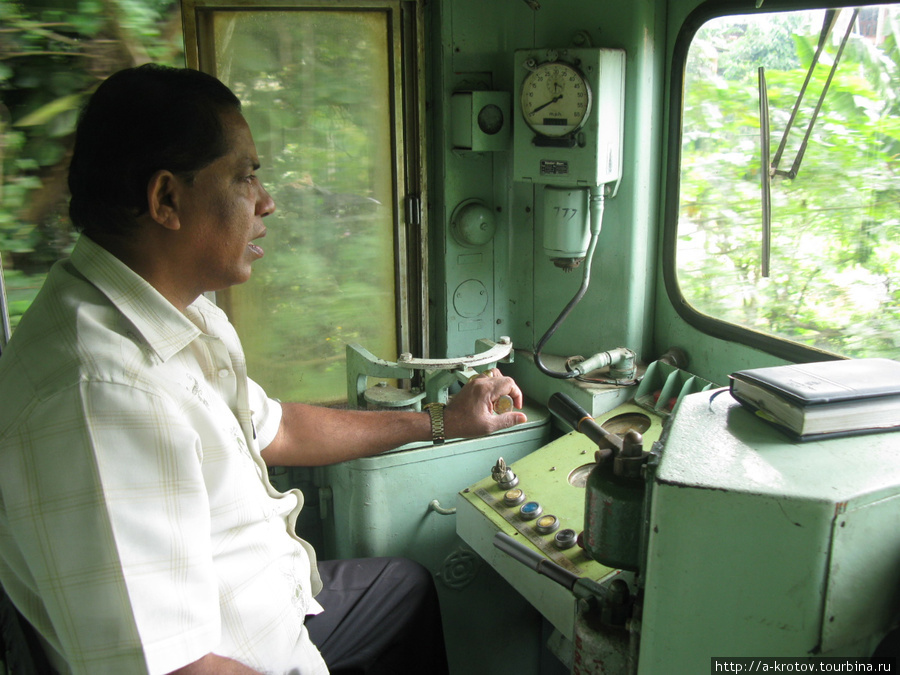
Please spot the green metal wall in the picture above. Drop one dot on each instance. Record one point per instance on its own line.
(477, 41)
(471, 47)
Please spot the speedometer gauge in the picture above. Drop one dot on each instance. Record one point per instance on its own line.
(556, 99)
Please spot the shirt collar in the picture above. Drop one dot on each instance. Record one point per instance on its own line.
(162, 326)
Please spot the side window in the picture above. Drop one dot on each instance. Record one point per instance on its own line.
(320, 89)
(788, 221)
(52, 57)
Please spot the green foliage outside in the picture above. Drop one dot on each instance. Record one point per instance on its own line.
(307, 85)
(835, 280)
(52, 55)
(315, 88)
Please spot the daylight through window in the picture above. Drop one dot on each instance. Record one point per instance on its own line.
(833, 278)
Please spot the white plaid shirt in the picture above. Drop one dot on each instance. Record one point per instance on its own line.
(138, 528)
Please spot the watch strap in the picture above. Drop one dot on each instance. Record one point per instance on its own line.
(436, 411)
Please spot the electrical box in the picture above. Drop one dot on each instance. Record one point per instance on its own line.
(480, 121)
(569, 116)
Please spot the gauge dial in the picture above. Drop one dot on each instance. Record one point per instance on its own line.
(556, 99)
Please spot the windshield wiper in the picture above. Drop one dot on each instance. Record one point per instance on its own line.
(769, 171)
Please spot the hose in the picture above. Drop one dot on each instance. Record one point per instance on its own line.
(596, 214)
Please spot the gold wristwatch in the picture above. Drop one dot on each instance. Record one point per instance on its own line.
(436, 411)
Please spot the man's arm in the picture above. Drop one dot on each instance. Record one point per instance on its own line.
(315, 436)
(213, 664)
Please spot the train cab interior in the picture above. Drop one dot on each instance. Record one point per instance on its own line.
(620, 206)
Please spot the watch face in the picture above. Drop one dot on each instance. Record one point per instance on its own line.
(556, 99)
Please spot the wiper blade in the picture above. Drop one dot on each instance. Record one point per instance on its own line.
(831, 17)
(769, 171)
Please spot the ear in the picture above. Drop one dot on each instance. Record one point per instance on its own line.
(162, 199)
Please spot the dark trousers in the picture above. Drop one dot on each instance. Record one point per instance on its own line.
(381, 618)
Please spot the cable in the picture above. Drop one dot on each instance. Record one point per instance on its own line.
(596, 213)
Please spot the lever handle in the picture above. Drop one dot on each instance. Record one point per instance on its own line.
(535, 561)
(578, 418)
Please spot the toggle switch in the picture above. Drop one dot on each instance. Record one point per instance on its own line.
(503, 475)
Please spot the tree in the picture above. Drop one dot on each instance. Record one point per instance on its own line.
(52, 56)
(835, 246)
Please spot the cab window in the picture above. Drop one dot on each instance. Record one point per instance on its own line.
(317, 85)
(788, 214)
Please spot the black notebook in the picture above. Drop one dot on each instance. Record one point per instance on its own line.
(827, 398)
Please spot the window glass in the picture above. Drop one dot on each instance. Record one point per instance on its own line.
(833, 278)
(52, 57)
(316, 90)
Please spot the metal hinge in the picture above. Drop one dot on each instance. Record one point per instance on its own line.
(413, 210)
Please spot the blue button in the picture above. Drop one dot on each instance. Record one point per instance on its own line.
(531, 510)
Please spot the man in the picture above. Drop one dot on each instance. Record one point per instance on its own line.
(138, 530)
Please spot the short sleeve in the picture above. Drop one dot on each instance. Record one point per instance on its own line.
(266, 414)
(107, 502)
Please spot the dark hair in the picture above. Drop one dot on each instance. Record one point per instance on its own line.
(140, 121)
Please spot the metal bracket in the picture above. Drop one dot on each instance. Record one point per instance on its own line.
(439, 374)
(497, 351)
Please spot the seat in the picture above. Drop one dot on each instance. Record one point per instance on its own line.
(20, 648)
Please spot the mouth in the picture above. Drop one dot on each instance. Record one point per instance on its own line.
(255, 249)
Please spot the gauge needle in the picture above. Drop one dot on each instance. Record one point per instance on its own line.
(550, 102)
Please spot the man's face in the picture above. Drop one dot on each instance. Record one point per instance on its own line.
(222, 211)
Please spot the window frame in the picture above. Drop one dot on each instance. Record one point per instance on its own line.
(731, 332)
(406, 25)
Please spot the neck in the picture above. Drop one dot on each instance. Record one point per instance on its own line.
(146, 251)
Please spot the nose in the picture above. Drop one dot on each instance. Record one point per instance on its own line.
(265, 205)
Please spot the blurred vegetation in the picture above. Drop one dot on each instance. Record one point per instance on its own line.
(835, 281)
(835, 264)
(315, 88)
(316, 91)
(53, 53)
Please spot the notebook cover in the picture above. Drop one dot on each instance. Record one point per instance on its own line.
(828, 381)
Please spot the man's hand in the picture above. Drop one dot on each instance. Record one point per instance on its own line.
(315, 436)
(471, 411)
